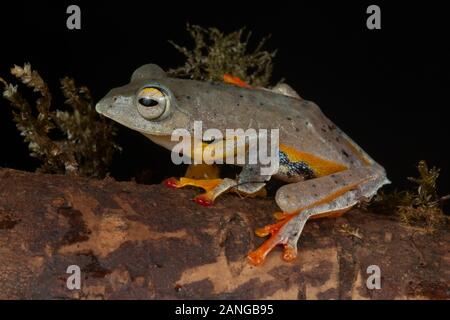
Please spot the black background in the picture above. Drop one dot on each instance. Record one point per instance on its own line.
(387, 89)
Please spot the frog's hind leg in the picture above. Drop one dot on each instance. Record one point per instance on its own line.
(326, 196)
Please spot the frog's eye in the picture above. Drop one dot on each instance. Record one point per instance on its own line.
(151, 103)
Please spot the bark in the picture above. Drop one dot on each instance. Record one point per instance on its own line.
(149, 242)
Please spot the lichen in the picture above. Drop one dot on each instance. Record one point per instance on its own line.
(215, 54)
(74, 140)
(420, 206)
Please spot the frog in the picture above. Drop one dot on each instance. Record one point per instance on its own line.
(324, 172)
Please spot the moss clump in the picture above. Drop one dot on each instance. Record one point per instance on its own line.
(75, 142)
(420, 206)
(215, 54)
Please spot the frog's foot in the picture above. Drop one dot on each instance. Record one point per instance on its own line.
(207, 198)
(341, 192)
(206, 184)
(209, 185)
(285, 233)
(213, 187)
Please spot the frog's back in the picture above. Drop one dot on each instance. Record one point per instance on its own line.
(302, 124)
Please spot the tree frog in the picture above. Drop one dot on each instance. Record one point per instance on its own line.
(326, 172)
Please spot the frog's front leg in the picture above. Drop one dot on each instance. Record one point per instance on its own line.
(327, 196)
(249, 182)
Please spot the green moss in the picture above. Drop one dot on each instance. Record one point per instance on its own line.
(419, 206)
(215, 54)
(85, 140)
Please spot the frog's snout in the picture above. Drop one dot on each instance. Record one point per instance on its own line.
(99, 107)
(103, 105)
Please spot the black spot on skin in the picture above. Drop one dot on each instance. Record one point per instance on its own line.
(345, 153)
(297, 129)
(331, 127)
(289, 118)
(316, 195)
(188, 97)
(237, 105)
(323, 129)
(261, 104)
(299, 168)
(241, 96)
(307, 123)
(336, 182)
(313, 185)
(337, 139)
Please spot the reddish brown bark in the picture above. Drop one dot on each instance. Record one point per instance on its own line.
(149, 242)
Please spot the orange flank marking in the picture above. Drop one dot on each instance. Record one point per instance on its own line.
(321, 167)
(334, 195)
(228, 78)
(331, 214)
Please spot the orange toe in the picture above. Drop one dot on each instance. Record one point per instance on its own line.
(269, 229)
(256, 257)
(289, 253)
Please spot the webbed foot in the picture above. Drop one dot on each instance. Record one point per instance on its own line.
(209, 185)
(285, 233)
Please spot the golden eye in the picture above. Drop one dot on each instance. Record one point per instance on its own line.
(151, 103)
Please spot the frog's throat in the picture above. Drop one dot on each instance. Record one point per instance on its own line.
(198, 148)
(164, 140)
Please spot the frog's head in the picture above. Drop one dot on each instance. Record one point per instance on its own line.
(146, 104)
